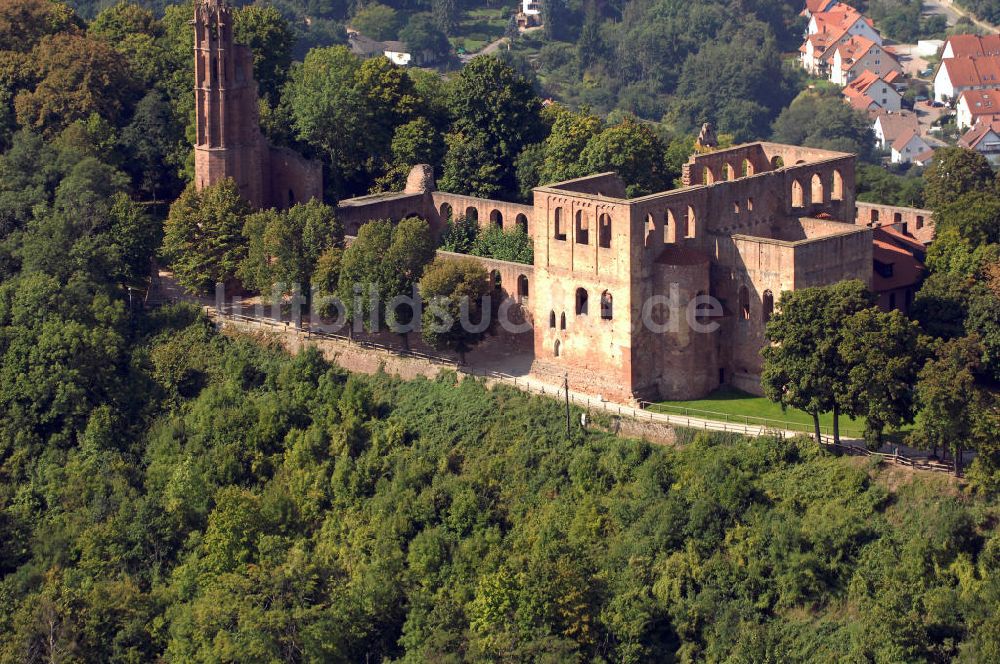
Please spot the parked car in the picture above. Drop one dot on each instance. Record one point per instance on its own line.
(937, 104)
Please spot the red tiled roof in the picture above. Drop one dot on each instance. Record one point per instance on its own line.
(815, 6)
(973, 71)
(892, 76)
(900, 143)
(974, 45)
(896, 123)
(852, 49)
(906, 267)
(981, 102)
(971, 138)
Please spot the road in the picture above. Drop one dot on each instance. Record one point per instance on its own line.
(953, 12)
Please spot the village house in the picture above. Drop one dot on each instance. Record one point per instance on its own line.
(889, 126)
(366, 47)
(829, 29)
(871, 92)
(961, 73)
(970, 46)
(530, 14)
(984, 138)
(909, 147)
(843, 19)
(814, 7)
(859, 54)
(975, 105)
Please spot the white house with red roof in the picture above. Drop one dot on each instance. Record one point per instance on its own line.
(970, 46)
(843, 19)
(984, 138)
(859, 54)
(909, 147)
(817, 7)
(974, 105)
(960, 73)
(871, 92)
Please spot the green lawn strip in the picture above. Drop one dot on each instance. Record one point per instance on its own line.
(744, 408)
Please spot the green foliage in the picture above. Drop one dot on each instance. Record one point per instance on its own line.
(875, 184)
(826, 122)
(203, 235)
(453, 292)
(804, 366)
(459, 235)
(284, 246)
(424, 37)
(955, 171)
(269, 36)
(377, 21)
(513, 245)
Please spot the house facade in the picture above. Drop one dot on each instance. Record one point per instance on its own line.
(956, 75)
(857, 55)
(974, 105)
(871, 92)
(984, 138)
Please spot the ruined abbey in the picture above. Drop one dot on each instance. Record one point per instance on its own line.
(750, 222)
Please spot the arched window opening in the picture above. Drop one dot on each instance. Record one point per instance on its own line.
(777, 162)
(768, 307)
(873, 217)
(744, 303)
(581, 301)
(607, 306)
(691, 223)
(522, 290)
(650, 230)
(736, 207)
(837, 193)
(495, 280)
(521, 222)
(817, 195)
(555, 348)
(560, 232)
(472, 213)
(582, 230)
(552, 319)
(604, 231)
(496, 218)
(897, 217)
(707, 177)
(750, 204)
(746, 168)
(562, 321)
(728, 172)
(798, 196)
(445, 212)
(669, 226)
(920, 221)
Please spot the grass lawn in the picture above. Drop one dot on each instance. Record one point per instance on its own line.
(732, 405)
(481, 26)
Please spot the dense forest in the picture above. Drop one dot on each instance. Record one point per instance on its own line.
(222, 501)
(171, 493)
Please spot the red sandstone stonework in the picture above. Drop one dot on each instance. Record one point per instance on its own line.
(228, 142)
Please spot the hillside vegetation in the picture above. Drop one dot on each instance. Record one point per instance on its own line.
(274, 508)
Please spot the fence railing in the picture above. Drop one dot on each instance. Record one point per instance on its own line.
(765, 426)
(790, 425)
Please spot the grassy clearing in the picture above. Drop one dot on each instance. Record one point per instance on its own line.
(729, 404)
(479, 27)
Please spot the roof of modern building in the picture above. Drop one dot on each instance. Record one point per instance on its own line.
(981, 102)
(974, 45)
(968, 71)
(896, 123)
(972, 138)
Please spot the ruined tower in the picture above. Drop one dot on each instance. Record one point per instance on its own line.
(228, 142)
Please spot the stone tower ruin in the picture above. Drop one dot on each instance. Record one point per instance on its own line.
(228, 142)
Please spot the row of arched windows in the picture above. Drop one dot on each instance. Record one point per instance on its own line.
(581, 228)
(674, 227)
(817, 190)
(496, 216)
(767, 308)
